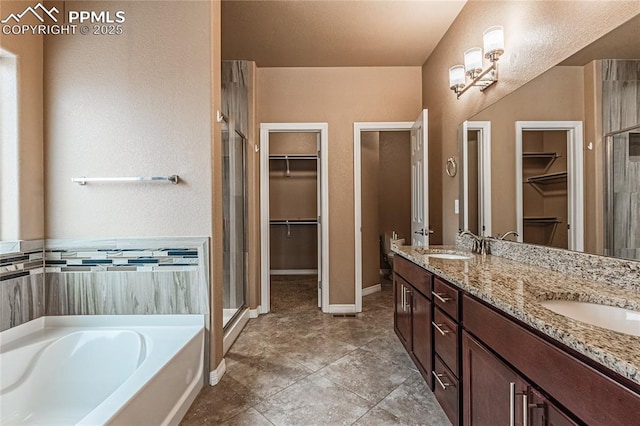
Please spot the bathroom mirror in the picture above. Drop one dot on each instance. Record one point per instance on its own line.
(580, 89)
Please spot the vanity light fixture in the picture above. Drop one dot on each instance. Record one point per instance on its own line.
(493, 40)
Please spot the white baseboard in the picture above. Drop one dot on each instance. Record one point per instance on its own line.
(233, 332)
(293, 272)
(371, 289)
(342, 309)
(216, 375)
(254, 313)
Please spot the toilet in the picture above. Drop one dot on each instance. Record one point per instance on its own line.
(388, 240)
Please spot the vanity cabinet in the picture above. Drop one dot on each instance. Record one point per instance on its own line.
(488, 368)
(413, 313)
(446, 344)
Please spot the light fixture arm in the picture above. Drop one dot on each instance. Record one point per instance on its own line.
(481, 80)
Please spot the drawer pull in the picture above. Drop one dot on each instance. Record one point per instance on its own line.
(512, 404)
(437, 376)
(442, 330)
(441, 297)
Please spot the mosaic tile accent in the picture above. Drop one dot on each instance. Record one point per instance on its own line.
(21, 263)
(620, 273)
(108, 260)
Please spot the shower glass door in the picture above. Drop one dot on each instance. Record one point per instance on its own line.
(623, 194)
(234, 223)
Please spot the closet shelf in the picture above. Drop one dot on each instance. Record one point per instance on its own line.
(293, 157)
(548, 179)
(293, 222)
(541, 220)
(553, 155)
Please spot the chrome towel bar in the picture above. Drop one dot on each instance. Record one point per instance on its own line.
(174, 179)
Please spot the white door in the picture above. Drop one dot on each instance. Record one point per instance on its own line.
(419, 176)
(320, 219)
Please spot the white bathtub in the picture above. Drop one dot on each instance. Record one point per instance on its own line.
(93, 370)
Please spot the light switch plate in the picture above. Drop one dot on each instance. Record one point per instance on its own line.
(456, 206)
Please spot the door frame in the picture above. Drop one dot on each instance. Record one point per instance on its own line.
(575, 174)
(323, 222)
(484, 190)
(358, 128)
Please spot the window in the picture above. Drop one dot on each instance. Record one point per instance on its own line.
(9, 202)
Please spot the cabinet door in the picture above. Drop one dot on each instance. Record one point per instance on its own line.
(402, 314)
(542, 412)
(421, 334)
(490, 388)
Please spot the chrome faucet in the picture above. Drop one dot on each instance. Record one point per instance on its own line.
(480, 244)
(506, 234)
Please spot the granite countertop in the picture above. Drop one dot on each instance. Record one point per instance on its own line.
(517, 288)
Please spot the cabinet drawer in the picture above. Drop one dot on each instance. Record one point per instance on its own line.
(446, 390)
(446, 333)
(591, 395)
(415, 275)
(445, 296)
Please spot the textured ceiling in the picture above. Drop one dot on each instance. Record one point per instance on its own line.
(621, 43)
(329, 33)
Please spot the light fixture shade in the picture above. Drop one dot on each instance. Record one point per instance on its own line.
(473, 61)
(456, 77)
(493, 38)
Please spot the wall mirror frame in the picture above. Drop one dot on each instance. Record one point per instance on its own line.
(474, 147)
(592, 86)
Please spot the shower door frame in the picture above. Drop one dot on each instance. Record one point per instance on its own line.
(609, 249)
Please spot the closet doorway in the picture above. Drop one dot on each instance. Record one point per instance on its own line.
(549, 176)
(294, 209)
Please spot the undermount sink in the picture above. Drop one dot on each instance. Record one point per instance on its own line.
(450, 256)
(609, 317)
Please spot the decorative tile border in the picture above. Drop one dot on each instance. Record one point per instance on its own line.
(132, 259)
(27, 260)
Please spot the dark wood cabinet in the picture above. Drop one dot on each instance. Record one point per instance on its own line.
(413, 314)
(402, 312)
(421, 335)
(489, 387)
(488, 368)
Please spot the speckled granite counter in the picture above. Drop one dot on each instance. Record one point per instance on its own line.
(517, 288)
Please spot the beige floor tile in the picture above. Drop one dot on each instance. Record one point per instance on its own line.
(214, 405)
(379, 417)
(250, 417)
(314, 401)
(367, 374)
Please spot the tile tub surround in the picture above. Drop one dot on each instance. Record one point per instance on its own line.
(127, 276)
(621, 273)
(517, 288)
(21, 282)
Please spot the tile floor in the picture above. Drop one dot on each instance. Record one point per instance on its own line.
(297, 366)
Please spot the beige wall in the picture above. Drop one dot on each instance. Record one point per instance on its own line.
(538, 35)
(137, 104)
(556, 95)
(395, 184)
(370, 174)
(30, 173)
(340, 97)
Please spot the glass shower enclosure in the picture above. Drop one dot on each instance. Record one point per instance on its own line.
(622, 217)
(234, 213)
